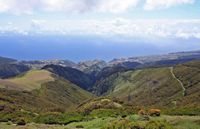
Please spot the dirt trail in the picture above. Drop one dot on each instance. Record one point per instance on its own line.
(174, 76)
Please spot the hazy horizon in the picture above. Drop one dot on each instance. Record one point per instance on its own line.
(37, 48)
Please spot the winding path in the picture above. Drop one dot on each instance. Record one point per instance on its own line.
(174, 76)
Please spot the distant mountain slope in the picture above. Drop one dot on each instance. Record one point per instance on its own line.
(4, 60)
(168, 59)
(91, 67)
(73, 75)
(38, 64)
(155, 86)
(10, 70)
(11, 67)
(39, 91)
(100, 69)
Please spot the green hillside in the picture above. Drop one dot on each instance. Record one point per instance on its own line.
(39, 91)
(73, 75)
(189, 75)
(157, 87)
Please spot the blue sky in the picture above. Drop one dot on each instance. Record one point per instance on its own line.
(150, 26)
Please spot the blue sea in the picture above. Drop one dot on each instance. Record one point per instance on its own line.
(77, 48)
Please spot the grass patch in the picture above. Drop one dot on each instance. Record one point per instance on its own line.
(59, 118)
(183, 111)
(29, 81)
(92, 124)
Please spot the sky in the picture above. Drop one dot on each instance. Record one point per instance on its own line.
(97, 29)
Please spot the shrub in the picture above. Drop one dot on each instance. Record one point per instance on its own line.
(183, 111)
(79, 126)
(127, 124)
(21, 122)
(59, 118)
(9, 123)
(156, 124)
(144, 118)
(118, 124)
(48, 118)
(142, 112)
(124, 116)
(134, 117)
(2, 107)
(154, 112)
(108, 113)
(124, 124)
(5, 117)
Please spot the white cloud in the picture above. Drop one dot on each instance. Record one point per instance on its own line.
(30, 6)
(116, 6)
(125, 27)
(19, 7)
(81, 6)
(113, 6)
(183, 29)
(160, 4)
(37, 24)
(3, 6)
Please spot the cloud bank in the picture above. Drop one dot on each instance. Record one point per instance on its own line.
(184, 29)
(160, 4)
(30, 6)
(82, 6)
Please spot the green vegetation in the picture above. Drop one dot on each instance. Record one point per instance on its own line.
(74, 120)
(184, 122)
(40, 99)
(189, 111)
(60, 118)
(189, 74)
(156, 87)
(73, 75)
(148, 87)
(127, 124)
(100, 118)
(59, 95)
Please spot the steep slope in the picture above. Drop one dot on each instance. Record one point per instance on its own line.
(39, 91)
(4, 60)
(164, 87)
(180, 82)
(107, 71)
(147, 87)
(73, 75)
(11, 67)
(10, 70)
(92, 67)
(189, 75)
